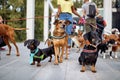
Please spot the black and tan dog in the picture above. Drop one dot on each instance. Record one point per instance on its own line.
(89, 54)
(37, 55)
(88, 57)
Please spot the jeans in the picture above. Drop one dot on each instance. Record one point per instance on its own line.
(68, 29)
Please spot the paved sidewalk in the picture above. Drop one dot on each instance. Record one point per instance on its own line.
(18, 68)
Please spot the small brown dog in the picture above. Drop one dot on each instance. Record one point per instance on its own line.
(60, 40)
(114, 47)
(78, 40)
(7, 33)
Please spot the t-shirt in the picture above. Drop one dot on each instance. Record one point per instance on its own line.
(65, 5)
(85, 7)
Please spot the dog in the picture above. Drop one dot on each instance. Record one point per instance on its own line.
(106, 48)
(78, 40)
(112, 43)
(37, 55)
(89, 54)
(60, 40)
(7, 33)
(88, 57)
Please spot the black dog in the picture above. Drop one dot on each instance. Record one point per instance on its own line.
(88, 57)
(103, 47)
(38, 54)
(89, 54)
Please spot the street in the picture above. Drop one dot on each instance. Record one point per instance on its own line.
(18, 68)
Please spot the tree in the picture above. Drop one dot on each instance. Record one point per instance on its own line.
(39, 12)
(99, 3)
(11, 10)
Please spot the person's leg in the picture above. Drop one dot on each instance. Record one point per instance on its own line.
(94, 33)
(69, 27)
(87, 31)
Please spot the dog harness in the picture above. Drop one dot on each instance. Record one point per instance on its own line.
(32, 55)
(89, 51)
(40, 57)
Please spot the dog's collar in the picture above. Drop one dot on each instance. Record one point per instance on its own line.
(32, 55)
(36, 50)
(58, 37)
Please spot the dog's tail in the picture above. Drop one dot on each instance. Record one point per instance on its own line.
(20, 28)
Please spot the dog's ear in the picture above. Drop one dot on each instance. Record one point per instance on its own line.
(36, 42)
(27, 42)
(56, 22)
(67, 22)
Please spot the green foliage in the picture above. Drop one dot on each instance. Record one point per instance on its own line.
(11, 10)
(99, 3)
(54, 2)
(78, 4)
(16, 9)
(39, 12)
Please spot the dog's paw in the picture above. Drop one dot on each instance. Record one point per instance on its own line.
(8, 54)
(49, 61)
(38, 65)
(17, 54)
(60, 61)
(82, 70)
(94, 71)
(66, 58)
(55, 63)
(111, 57)
(32, 64)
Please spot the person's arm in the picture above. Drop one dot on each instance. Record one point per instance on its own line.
(59, 10)
(1, 19)
(84, 13)
(75, 12)
(104, 22)
(97, 11)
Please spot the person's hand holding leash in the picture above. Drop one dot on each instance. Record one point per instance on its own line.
(81, 21)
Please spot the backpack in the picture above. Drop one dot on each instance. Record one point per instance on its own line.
(92, 11)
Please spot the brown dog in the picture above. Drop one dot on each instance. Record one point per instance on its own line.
(81, 39)
(114, 47)
(78, 40)
(7, 33)
(60, 40)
